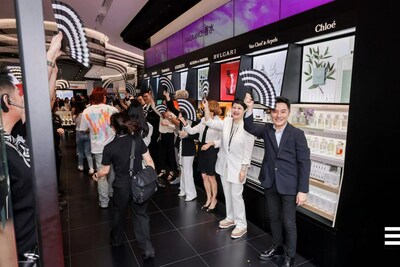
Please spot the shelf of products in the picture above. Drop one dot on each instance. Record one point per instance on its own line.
(325, 127)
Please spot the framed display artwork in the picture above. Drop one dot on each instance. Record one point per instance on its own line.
(326, 71)
(273, 65)
(184, 75)
(202, 75)
(228, 80)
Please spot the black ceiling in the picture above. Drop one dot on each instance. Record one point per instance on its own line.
(154, 16)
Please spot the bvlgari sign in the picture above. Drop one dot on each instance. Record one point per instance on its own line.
(225, 54)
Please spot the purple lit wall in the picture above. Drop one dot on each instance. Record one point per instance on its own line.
(160, 54)
(193, 36)
(218, 24)
(149, 57)
(293, 7)
(234, 18)
(174, 45)
(253, 14)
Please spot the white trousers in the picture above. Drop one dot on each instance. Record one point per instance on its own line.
(104, 185)
(187, 181)
(234, 203)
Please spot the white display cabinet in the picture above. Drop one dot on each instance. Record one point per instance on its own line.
(327, 142)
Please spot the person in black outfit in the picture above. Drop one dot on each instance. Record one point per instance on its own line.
(117, 153)
(153, 117)
(58, 131)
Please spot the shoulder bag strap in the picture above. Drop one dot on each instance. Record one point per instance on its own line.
(132, 157)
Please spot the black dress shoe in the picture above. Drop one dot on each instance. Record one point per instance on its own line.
(269, 254)
(289, 262)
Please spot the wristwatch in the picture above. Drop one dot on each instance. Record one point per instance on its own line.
(51, 64)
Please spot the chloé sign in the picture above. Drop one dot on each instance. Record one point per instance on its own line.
(325, 26)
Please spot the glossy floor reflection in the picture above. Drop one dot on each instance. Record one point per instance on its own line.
(182, 233)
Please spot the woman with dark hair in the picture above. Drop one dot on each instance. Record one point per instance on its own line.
(233, 160)
(135, 112)
(117, 153)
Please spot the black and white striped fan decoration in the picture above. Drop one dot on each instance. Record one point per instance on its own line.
(62, 84)
(161, 108)
(16, 71)
(130, 88)
(187, 109)
(70, 24)
(205, 88)
(164, 81)
(259, 82)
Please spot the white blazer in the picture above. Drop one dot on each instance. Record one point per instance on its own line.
(229, 162)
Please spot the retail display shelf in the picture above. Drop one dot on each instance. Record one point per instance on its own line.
(328, 160)
(320, 212)
(324, 186)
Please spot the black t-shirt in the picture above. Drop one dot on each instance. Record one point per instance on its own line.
(57, 123)
(22, 197)
(117, 153)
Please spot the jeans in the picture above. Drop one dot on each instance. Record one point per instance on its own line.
(104, 186)
(83, 144)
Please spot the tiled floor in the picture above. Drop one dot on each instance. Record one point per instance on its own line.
(182, 233)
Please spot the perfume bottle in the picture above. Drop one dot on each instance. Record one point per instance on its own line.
(328, 122)
(302, 119)
(343, 77)
(228, 82)
(232, 88)
(321, 121)
(323, 146)
(336, 122)
(339, 148)
(315, 145)
(331, 148)
(343, 123)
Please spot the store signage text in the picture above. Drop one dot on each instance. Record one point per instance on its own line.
(324, 27)
(225, 54)
(180, 66)
(154, 73)
(197, 61)
(263, 43)
(208, 29)
(165, 70)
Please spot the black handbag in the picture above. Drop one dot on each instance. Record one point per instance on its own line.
(144, 182)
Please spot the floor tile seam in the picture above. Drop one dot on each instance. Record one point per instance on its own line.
(196, 224)
(131, 248)
(223, 247)
(90, 225)
(89, 250)
(187, 258)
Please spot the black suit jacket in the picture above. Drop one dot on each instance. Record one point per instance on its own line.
(289, 164)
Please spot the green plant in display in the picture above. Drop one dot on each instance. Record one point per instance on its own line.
(317, 60)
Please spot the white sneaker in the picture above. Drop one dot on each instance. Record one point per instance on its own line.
(225, 223)
(176, 181)
(80, 168)
(181, 194)
(238, 232)
(91, 171)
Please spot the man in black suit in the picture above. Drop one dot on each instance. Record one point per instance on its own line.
(284, 174)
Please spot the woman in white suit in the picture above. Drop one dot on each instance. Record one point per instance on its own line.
(233, 161)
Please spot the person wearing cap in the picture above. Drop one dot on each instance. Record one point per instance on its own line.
(96, 119)
(233, 160)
